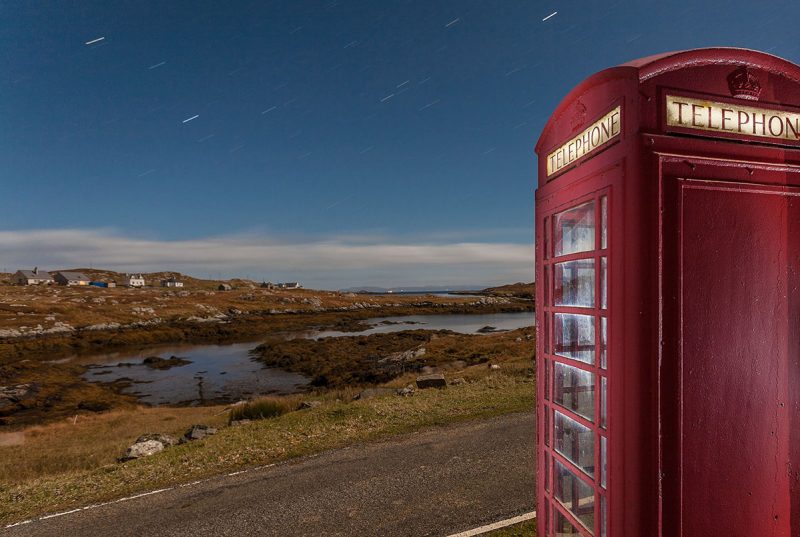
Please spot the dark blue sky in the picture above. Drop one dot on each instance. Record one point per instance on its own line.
(385, 122)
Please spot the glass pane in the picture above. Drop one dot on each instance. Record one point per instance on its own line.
(564, 527)
(574, 230)
(546, 426)
(546, 233)
(546, 516)
(574, 283)
(574, 389)
(603, 401)
(603, 517)
(547, 348)
(603, 456)
(546, 284)
(547, 472)
(574, 494)
(603, 341)
(604, 222)
(547, 379)
(574, 336)
(575, 442)
(604, 283)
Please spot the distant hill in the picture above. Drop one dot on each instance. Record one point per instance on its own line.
(411, 289)
(153, 279)
(519, 290)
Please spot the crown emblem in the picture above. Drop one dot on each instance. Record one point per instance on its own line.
(744, 84)
(579, 117)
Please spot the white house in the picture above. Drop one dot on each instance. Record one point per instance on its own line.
(71, 278)
(171, 282)
(132, 280)
(289, 285)
(32, 277)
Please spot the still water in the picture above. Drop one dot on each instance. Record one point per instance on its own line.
(226, 373)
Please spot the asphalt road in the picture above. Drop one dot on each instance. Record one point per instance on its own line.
(437, 482)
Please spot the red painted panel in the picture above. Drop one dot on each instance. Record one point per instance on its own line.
(736, 276)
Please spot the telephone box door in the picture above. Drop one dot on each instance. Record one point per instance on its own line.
(735, 276)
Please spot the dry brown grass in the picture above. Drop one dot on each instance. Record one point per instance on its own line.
(334, 424)
(90, 441)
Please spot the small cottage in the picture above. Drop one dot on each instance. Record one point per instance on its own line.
(267, 285)
(32, 277)
(289, 285)
(71, 278)
(132, 280)
(224, 287)
(171, 282)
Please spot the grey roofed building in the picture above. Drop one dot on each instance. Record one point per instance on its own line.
(71, 278)
(32, 277)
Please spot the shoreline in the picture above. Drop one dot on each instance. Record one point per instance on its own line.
(60, 391)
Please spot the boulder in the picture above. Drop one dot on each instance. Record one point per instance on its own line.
(434, 380)
(407, 391)
(165, 439)
(197, 432)
(142, 449)
(494, 367)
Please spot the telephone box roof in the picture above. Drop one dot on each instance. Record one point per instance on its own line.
(646, 68)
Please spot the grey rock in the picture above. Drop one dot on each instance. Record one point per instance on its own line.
(165, 439)
(197, 432)
(309, 404)
(434, 380)
(407, 391)
(494, 367)
(142, 449)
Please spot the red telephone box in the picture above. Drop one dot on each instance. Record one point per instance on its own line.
(668, 300)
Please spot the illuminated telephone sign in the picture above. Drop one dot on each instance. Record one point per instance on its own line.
(668, 300)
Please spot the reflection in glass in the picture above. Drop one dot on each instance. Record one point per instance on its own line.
(546, 426)
(574, 336)
(546, 379)
(547, 472)
(603, 466)
(603, 517)
(575, 442)
(546, 238)
(603, 341)
(574, 389)
(574, 494)
(574, 230)
(546, 284)
(564, 527)
(573, 283)
(604, 222)
(603, 401)
(604, 283)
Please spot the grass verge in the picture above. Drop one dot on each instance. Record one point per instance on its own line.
(334, 424)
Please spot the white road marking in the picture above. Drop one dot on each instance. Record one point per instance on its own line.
(496, 525)
(550, 16)
(94, 40)
(135, 496)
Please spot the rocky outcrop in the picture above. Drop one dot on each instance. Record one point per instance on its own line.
(156, 362)
(434, 380)
(197, 432)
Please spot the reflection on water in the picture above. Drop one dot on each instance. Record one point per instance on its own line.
(221, 373)
(226, 373)
(464, 324)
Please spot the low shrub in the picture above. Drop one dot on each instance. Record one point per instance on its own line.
(259, 409)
